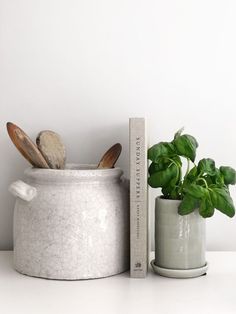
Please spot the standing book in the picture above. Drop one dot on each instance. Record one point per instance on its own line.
(138, 198)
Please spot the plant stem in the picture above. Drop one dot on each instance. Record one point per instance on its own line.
(201, 179)
(172, 162)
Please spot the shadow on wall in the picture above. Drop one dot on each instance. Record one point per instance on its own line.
(87, 147)
(11, 167)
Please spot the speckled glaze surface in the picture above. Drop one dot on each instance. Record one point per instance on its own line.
(179, 240)
(71, 224)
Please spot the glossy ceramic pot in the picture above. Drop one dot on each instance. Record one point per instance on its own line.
(71, 224)
(180, 241)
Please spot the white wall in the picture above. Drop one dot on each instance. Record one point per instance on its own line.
(82, 67)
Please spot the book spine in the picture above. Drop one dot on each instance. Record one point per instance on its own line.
(138, 198)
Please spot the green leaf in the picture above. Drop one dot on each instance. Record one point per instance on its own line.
(209, 180)
(192, 173)
(163, 163)
(186, 146)
(166, 190)
(191, 176)
(218, 178)
(171, 192)
(206, 208)
(177, 160)
(222, 201)
(163, 177)
(174, 186)
(178, 133)
(174, 194)
(207, 166)
(229, 175)
(161, 149)
(155, 167)
(196, 190)
(188, 205)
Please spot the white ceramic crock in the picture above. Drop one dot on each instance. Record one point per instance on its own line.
(180, 241)
(71, 224)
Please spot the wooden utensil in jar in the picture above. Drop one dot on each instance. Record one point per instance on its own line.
(109, 159)
(52, 148)
(26, 146)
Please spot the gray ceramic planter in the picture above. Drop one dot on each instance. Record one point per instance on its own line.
(71, 224)
(180, 241)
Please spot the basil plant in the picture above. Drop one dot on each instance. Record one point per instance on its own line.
(203, 186)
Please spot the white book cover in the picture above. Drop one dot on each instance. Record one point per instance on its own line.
(138, 198)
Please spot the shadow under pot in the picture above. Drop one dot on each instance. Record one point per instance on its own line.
(71, 224)
(180, 241)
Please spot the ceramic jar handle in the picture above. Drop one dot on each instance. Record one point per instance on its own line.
(22, 190)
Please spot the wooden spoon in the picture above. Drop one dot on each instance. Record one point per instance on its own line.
(110, 157)
(52, 148)
(26, 146)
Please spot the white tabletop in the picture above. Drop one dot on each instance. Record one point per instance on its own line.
(213, 293)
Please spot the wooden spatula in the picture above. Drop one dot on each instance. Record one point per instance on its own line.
(26, 146)
(52, 148)
(110, 157)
